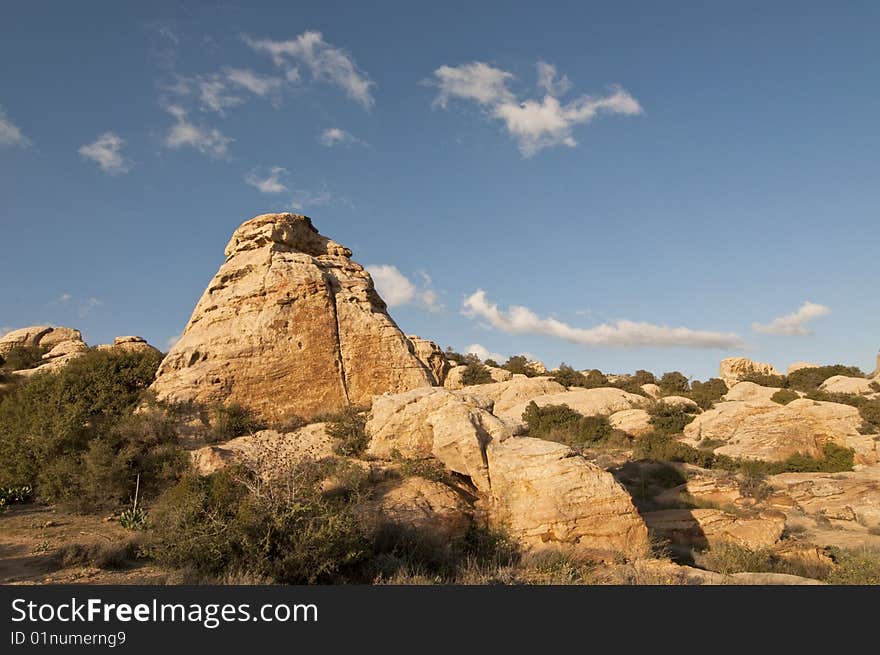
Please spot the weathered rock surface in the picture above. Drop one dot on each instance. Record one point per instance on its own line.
(550, 497)
(430, 509)
(129, 344)
(289, 325)
(453, 378)
(768, 431)
(841, 496)
(432, 356)
(752, 392)
(705, 528)
(62, 345)
(454, 428)
(267, 450)
(652, 390)
(680, 402)
(734, 369)
(797, 366)
(636, 422)
(514, 392)
(846, 384)
(589, 402)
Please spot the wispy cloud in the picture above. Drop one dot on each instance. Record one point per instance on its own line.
(622, 333)
(186, 134)
(534, 124)
(64, 297)
(336, 136)
(259, 85)
(793, 324)
(270, 183)
(484, 353)
(302, 199)
(397, 289)
(10, 133)
(106, 151)
(323, 61)
(87, 305)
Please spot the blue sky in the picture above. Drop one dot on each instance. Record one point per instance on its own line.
(629, 185)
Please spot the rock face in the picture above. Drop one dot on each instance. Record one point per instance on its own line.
(846, 384)
(704, 528)
(841, 496)
(431, 355)
(128, 344)
(549, 497)
(62, 344)
(797, 366)
(589, 402)
(751, 391)
(453, 379)
(765, 430)
(289, 325)
(734, 369)
(636, 422)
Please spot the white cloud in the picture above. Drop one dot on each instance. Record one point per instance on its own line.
(65, 297)
(522, 320)
(270, 184)
(396, 289)
(184, 133)
(259, 85)
(106, 151)
(484, 353)
(10, 134)
(336, 136)
(534, 124)
(549, 81)
(303, 198)
(793, 324)
(324, 62)
(87, 306)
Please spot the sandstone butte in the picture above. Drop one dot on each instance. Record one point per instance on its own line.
(289, 325)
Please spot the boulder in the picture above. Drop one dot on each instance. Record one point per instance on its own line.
(841, 496)
(734, 369)
(767, 431)
(680, 402)
(514, 392)
(432, 356)
(268, 451)
(129, 344)
(704, 528)
(846, 384)
(749, 391)
(653, 390)
(549, 497)
(62, 345)
(636, 422)
(289, 325)
(797, 366)
(435, 422)
(453, 378)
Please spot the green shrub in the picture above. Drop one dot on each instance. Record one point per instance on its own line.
(835, 459)
(454, 356)
(233, 420)
(668, 419)
(674, 382)
(491, 362)
(48, 421)
(875, 385)
(809, 379)
(595, 378)
(663, 446)
(568, 377)
(766, 380)
(855, 567)
(562, 424)
(642, 376)
(519, 364)
(784, 396)
(23, 357)
(475, 373)
(870, 412)
(348, 427)
(707, 393)
(229, 522)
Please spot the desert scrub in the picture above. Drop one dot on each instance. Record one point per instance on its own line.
(348, 428)
(668, 419)
(519, 364)
(22, 357)
(855, 567)
(728, 558)
(707, 393)
(784, 396)
(674, 382)
(568, 377)
(562, 424)
(870, 412)
(475, 373)
(231, 421)
(284, 530)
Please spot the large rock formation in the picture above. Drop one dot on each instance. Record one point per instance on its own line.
(289, 325)
(705, 528)
(61, 345)
(129, 344)
(734, 369)
(454, 377)
(432, 356)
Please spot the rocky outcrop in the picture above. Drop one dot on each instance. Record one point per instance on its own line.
(453, 379)
(734, 369)
(267, 451)
(653, 390)
(636, 422)
(797, 366)
(750, 391)
(289, 325)
(432, 356)
(550, 498)
(851, 497)
(454, 428)
(767, 431)
(589, 402)
(129, 344)
(61, 345)
(846, 384)
(705, 528)
(680, 402)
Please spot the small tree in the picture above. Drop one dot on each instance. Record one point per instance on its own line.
(568, 377)
(674, 382)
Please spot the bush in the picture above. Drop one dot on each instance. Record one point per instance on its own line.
(870, 412)
(562, 424)
(674, 383)
(642, 376)
(23, 357)
(233, 420)
(568, 377)
(475, 373)
(285, 531)
(669, 419)
(595, 378)
(664, 447)
(855, 567)
(766, 380)
(707, 393)
(519, 364)
(875, 386)
(784, 396)
(454, 356)
(348, 427)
